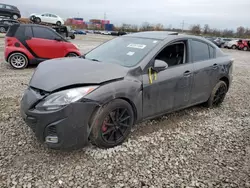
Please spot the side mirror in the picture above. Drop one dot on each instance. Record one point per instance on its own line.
(58, 39)
(160, 65)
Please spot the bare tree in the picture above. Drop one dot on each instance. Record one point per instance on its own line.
(196, 29)
(206, 29)
(240, 31)
(159, 27)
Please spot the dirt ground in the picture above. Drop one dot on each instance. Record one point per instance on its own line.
(195, 147)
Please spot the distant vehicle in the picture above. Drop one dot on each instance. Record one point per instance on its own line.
(106, 32)
(47, 18)
(118, 33)
(5, 24)
(80, 32)
(232, 44)
(129, 79)
(65, 31)
(31, 44)
(221, 41)
(244, 45)
(9, 11)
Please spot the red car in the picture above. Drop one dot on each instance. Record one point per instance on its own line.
(244, 45)
(31, 44)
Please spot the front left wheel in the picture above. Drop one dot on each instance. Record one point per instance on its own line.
(112, 125)
(18, 61)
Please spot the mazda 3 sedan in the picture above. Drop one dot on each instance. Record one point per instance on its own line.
(98, 97)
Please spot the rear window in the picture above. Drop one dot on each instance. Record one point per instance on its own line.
(12, 30)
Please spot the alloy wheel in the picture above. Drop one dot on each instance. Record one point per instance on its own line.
(18, 61)
(115, 125)
(2, 30)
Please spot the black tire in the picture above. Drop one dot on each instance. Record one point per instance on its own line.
(13, 60)
(33, 18)
(245, 48)
(217, 95)
(2, 30)
(72, 54)
(37, 20)
(234, 47)
(15, 16)
(101, 129)
(58, 23)
(72, 36)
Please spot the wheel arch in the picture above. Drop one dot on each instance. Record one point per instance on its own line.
(226, 80)
(20, 53)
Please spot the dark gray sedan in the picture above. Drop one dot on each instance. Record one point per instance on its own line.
(98, 97)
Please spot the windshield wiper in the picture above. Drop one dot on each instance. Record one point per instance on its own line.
(95, 60)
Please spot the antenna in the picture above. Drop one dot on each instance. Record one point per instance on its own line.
(105, 16)
(182, 25)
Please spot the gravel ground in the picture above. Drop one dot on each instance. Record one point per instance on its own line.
(195, 147)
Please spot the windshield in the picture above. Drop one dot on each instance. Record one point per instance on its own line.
(125, 51)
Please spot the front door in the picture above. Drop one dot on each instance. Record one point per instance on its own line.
(170, 89)
(44, 45)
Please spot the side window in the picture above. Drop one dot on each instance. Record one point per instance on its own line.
(54, 16)
(174, 54)
(211, 52)
(28, 32)
(8, 7)
(2, 6)
(44, 33)
(200, 51)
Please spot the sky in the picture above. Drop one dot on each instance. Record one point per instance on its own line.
(219, 14)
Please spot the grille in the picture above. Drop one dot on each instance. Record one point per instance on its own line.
(51, 130)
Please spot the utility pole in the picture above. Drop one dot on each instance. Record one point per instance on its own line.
(105, 16)
(182, 25)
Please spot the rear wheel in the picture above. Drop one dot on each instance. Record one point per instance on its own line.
(15, 17)
(72, 36)
(245, 48)
(18, 60)
(58, 23)
(71, 54)
(217, 95)
(112, 125)
(2, 30)
(234, 47)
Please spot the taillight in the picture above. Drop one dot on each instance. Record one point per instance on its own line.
(8, 42)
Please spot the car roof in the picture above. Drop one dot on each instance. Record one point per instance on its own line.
(160, 35)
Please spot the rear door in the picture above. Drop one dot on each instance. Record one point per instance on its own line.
(205, 70)
(44, 45)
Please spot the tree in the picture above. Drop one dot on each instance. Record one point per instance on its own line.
(196, 29)
(159, 27)
(240, 31)
(206, 29)
(146, 27)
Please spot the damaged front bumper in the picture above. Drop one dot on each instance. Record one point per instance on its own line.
(66, 128)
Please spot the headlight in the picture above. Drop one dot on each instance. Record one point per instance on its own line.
(65, 97)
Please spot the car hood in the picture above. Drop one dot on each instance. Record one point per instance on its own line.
(54, 74)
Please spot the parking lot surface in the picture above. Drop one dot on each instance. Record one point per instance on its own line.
(196, 147)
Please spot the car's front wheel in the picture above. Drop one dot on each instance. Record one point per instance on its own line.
(245, 48)
(234, 47)
(72, 36)
(217, 95)
(18, 61)
(112, 125)
(38, 20)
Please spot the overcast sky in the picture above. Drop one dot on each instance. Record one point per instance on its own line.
(217, 13)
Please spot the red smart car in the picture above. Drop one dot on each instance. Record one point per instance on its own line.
(31, 44)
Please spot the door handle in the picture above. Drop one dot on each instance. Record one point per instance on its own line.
(187, 73)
